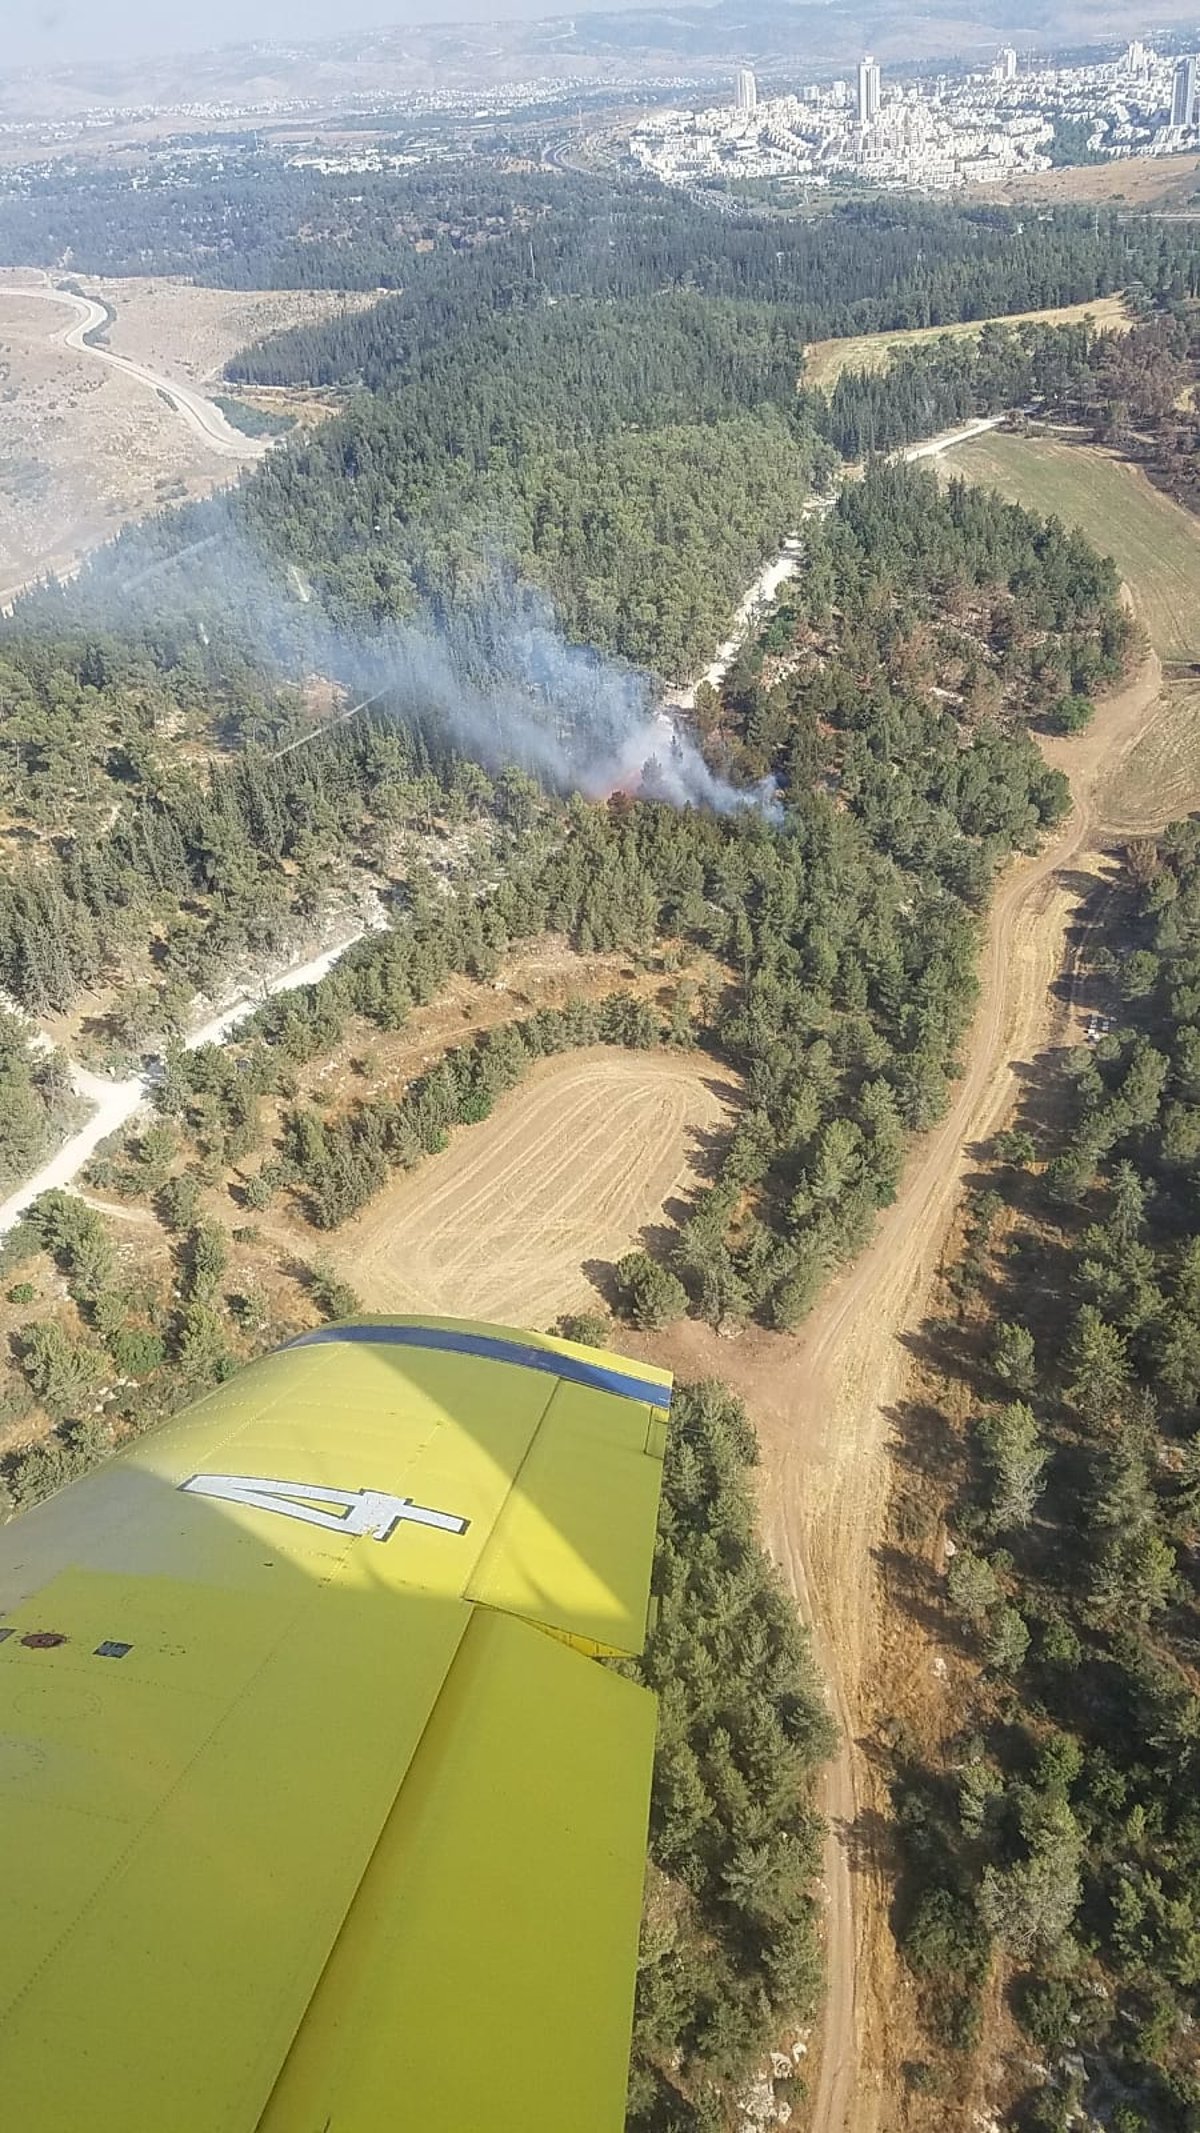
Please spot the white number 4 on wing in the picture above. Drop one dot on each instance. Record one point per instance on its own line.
(366, 1513)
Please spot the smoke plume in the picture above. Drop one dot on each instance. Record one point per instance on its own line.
(502, 684)
(493, 675)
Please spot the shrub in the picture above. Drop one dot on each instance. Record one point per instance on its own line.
(943, 1935)
(37, 1472)
(333, 1297)
(1045, 2009)
(592, 1329)
(1071, 714)
(651, 1296)
(63, 1373)
(179, 1201)
(972, 1586)
(136, 1351)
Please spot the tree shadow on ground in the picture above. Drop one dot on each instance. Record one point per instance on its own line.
(921, 1439)
(706, 1149)
(869, 1842)
(914, 1586)
(603, 1277)
(659, 1239)
(947, 1348)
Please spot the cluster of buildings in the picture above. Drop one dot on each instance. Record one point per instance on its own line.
(932, 133)
(389, 107)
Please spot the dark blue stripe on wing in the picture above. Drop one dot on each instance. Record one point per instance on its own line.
(493, 1349)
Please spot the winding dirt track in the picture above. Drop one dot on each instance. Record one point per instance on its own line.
(821, 1398)
(202, 417)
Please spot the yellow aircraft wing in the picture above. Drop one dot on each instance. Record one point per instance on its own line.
(316, 1813)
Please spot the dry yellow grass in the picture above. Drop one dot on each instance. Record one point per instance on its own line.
(190, 332)
(824, 361)
(85, 448)
(570, 1167)
(1159, 778)
(1131, 181)
(1156, 547)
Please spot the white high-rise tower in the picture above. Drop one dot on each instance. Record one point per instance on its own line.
(868, 91)
(745, 98)
(1183, 93)
(1008, 63)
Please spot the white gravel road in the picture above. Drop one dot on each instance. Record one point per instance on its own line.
(117, 1102)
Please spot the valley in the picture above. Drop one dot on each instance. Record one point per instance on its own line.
(105, 415)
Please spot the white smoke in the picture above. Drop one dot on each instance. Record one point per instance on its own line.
(504, 686)
(660, 761)
(493, 676)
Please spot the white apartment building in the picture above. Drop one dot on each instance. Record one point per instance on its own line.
(868, 91)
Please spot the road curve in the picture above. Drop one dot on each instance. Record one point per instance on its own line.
(202, 417)
(821, 1398)
(116, 1102)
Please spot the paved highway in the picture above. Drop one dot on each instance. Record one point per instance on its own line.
(201, 416)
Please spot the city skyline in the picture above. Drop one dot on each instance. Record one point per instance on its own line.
(931, 133)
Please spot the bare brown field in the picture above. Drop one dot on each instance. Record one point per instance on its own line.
(191, 333)
(824, 361)
(84, 448)
(1133, 181)
(572, 1167)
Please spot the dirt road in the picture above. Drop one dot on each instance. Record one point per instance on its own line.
(117, 1102)
(202, 417)
(774, 574)
(821, 1398)
(96, 433)
(90, 434)
(933, 447)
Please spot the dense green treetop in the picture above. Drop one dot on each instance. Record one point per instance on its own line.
(1060, 1834)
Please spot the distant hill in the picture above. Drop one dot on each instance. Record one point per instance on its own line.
(616, 46)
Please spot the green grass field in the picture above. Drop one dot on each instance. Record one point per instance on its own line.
(1154, 543)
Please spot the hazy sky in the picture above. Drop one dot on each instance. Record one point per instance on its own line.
(54, 32)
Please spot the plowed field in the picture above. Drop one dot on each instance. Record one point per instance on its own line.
(572, 1169)
(1159, 777)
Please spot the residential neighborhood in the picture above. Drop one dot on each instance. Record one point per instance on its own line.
(934, 133)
